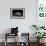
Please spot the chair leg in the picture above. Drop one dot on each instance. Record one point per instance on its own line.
(5, 40)
(5, 43)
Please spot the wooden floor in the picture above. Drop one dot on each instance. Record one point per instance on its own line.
(13, 44)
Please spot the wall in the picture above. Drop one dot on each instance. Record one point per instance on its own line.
(23, 24)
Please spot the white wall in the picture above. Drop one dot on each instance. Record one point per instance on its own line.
(23, 24)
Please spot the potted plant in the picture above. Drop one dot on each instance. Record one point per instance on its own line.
(38, 27)
(39, 35)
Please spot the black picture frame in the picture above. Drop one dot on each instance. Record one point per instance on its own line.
(17, 13)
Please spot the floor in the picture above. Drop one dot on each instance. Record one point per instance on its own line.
(13, 44)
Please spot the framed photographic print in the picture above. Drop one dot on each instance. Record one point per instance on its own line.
(41, 8)
(41, 12)
(17, 13)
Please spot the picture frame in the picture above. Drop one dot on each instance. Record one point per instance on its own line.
(17, 13)
(41, 12)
